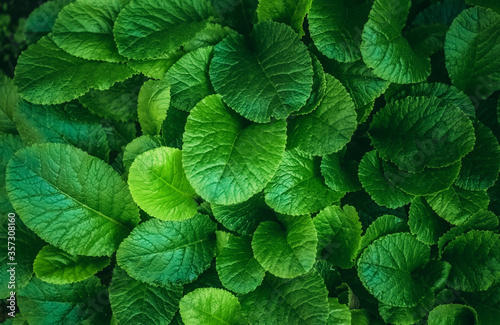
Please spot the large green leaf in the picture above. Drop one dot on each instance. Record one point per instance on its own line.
(8, 103)
(55, 266)
(238, 269)
(386, 50)
(377, 184)
(297, 301)
(474, 259)
(152, 105)
(9, 144)
(386, 269)
(135, 302)
(211, 306)
(189, 78)
(481, 166)
(92, 37)
(227, 159)
(425, 223)
(72, 200)
(329, 127)
(339, 235)
(277, 68)
(383, 225)
(147, 29)
(43, 303)
(298, 187)
(290, 12)
(452, 314)
(472, 51)
(455, 205)
(45, 74)
(286, 249)
(159, 186)
(419, 132)
(336, 27)
(168, 252)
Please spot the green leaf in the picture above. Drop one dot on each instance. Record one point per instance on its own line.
(286, 249)
(238, 269)
(46, 304)
(43, 123)
(318, 88)
(152, 106)
(117, 103)
(290, 12)
(45, 74)
(329, 127)
(419, 132)
(383, 225)
(211, 306)
(8, 103)
(472, 47)
(135, 302)
(452, 314)
(377, 184)
(481, 166)
(336, 27)
(227, 159)
(150, 28)
(339, 235)
(54, 265)
(386, 269)
(424, 223)
(92, 37)
(168, 252)
(41, 20)
(486, 304)
(245, 217)
(189, 79)
(298, 187)
(339, 314)
(455, 205)
(301, 300)
(159, 186)
(474, 259)
(9, 144)
(173, 127)
(340, 173)
(426, 182)
(385, 49)
(72, 200)
(277, 68)
(139, 146)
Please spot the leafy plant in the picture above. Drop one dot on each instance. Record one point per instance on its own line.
(254, 162)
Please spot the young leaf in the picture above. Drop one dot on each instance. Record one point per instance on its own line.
(54, 265)
(424, 223)
(377, 184)
(8, 103)
(227, 159)
(329, 127)
(339, 235)
(168, 252)
(189, 79)
(472, 47)
(383, 225)
(150, 28)
(72, 200)
(152, 105)
(419, 132)
(386, 50)
(286, 250)
(277, 67)
(238, 269)
(301, 300)
(45, 74)
(474, 260)
(340, 173)
(159, 186)
(336, 27)
(452, 314)
(386, 269)
(92, 38)
(135, 302)
(298, 187)
(211, 306)
(290, 12)
(9, 144)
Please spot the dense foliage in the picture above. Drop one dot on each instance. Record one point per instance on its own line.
(254, 162)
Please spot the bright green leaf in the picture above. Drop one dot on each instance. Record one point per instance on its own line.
(290, 12)
(139, 146)
(152, 106)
